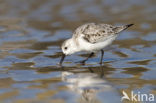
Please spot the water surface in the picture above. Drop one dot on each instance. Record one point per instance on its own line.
(31, 33)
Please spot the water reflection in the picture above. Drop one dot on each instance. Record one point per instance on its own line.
(89, 85)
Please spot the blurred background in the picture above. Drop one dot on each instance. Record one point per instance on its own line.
(31, 33)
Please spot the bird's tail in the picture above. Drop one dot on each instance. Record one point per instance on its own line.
(121, 28)
(127, 26)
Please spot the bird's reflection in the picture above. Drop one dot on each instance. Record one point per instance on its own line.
(87, 85)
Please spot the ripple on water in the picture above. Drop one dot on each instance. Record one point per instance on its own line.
(30, 38)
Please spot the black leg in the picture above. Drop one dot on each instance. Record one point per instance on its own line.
(83, 61)
(102, 53)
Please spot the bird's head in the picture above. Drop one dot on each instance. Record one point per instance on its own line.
(68, 47)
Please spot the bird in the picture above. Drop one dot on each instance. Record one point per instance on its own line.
(91, 38)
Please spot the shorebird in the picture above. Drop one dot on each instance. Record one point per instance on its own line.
(91, 37)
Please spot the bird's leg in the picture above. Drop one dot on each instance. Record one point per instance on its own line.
(102, 53)
(90, 55)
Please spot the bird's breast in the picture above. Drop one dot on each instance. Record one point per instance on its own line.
(86, 46)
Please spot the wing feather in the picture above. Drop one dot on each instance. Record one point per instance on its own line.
(94, 33)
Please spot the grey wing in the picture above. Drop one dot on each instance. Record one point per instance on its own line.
(95, 33)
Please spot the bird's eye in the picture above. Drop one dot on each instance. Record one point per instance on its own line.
(65, 48)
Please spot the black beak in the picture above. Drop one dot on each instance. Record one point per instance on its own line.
(62, 58)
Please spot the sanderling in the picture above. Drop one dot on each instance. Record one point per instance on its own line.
(91, 37)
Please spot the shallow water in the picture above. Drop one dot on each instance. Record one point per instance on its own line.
(31, 33)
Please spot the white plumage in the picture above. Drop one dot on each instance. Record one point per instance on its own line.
(91, 37)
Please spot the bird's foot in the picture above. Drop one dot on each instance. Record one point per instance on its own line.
(59, 65)
(100, 63)
(82, 62)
